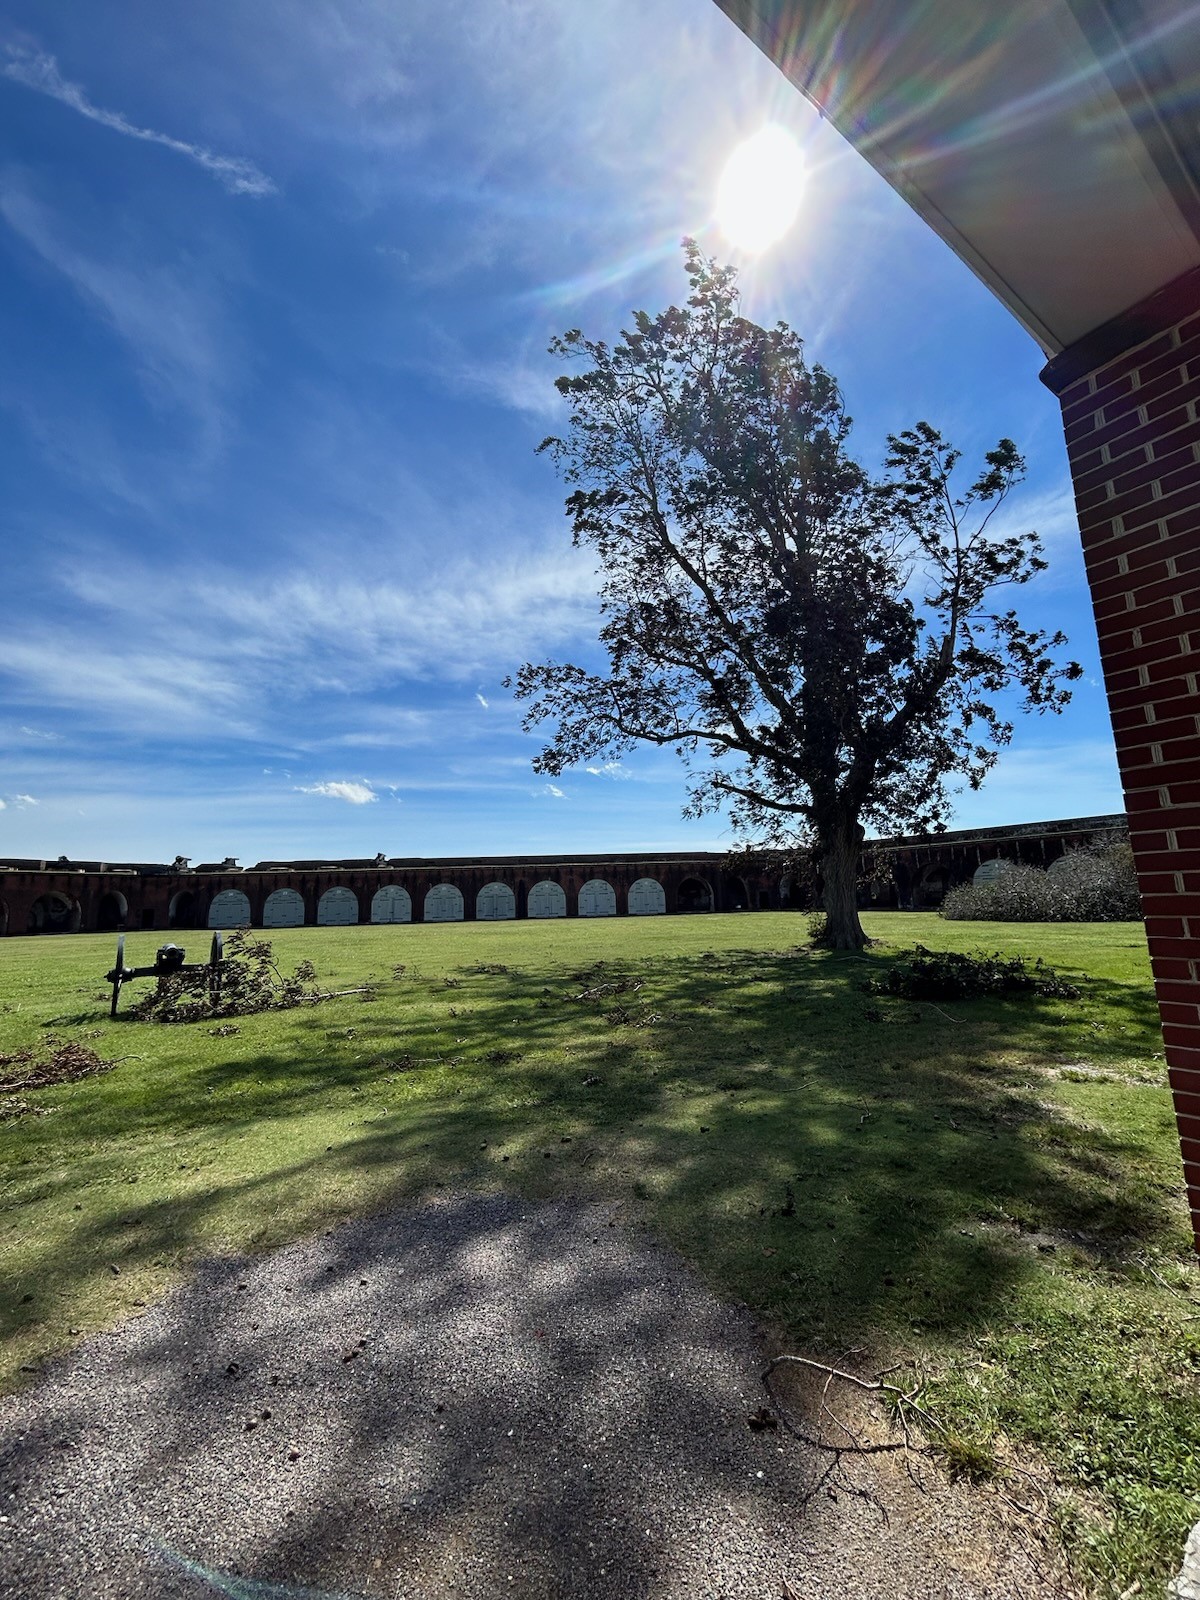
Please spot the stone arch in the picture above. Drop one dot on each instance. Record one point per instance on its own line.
(495, 902)
(391, 903)
(229, 909)
(597, 898)
(989, 871)
(547, 899)
(647, 898)
(112, 911)
(695, 894)
(737, 896)
(55, 912)
(283, 908)
(337, 907)
(935, 880)
(181, 912)
(444, 903)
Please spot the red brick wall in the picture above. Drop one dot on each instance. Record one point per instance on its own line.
(1133, 437)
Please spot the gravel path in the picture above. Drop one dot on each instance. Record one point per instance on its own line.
(473, 1397)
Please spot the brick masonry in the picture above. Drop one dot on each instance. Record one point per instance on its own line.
(1132, 421)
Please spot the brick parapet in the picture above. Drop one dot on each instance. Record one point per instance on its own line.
(1132, 424)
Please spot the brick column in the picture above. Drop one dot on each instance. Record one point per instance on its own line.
(1130, 394)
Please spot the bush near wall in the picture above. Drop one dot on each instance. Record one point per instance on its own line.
(1087, 886)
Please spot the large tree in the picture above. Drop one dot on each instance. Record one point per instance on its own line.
(832, 645)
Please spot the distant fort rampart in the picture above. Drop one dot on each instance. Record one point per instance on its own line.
(97, 896)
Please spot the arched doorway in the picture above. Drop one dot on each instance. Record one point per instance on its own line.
(391, 904)
(54, 913)
(694, 895)
(547, 899)
(181, 913)
(284, 908)
(495, 902)
(647, 898)
(444, 903)
(230, 909)
(597, 898)
(337, 908)
(111, 912)
(737, 896)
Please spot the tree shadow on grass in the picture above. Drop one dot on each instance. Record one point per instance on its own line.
(851, 1165)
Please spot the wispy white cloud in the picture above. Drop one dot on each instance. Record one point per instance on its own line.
(611, 769)
(3, 805)
(355, 794)
(167, 317)
(553, 789)
(37, 70)
(481, 700)
(39, 733)
(250, 656)
(25, 800)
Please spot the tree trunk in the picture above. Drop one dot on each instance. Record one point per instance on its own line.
(839, 872)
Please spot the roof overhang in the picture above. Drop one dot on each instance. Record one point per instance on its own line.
(1053, 144)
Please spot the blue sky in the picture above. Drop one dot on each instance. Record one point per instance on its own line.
(276, 285)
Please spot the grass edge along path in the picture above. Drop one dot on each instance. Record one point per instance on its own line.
(990, 1188)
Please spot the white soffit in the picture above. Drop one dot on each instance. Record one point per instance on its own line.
(1052, 143)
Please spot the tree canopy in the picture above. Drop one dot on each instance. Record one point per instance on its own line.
(827, 650)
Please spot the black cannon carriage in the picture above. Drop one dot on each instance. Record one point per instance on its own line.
(168, 960)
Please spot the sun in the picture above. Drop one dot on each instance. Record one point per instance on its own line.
(760, 190)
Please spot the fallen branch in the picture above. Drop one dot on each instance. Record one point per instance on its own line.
(903, 1397)
(333, 994)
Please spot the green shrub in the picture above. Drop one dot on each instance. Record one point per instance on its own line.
(1098, 885)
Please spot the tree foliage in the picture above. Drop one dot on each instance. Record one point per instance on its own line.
(826, 650)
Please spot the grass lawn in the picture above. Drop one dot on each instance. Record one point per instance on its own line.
(991, 1188)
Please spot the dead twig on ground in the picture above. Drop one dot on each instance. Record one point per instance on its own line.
(904, 1398)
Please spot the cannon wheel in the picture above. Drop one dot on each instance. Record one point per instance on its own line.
(117, 975)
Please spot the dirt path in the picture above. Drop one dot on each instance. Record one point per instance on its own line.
(471, 1398)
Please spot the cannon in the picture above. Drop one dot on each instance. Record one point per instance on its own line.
(168, 959)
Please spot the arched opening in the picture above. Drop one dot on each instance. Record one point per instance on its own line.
(694, 895)
(229, 909)
(181, 913)
(647, 898)
(283, 908)
(337, 908)
(737, 896)
(547, 899)
(935, 880)
(111, 912)
(990, 871)
(444, 903)
(54, 913)
(495, 902)
(597, 899)
(391, 904)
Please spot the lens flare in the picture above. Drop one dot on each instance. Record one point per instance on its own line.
(760, 191)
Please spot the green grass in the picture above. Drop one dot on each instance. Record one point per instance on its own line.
(992, 1188)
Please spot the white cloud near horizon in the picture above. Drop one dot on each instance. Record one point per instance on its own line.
(37, 70)
(355, 794)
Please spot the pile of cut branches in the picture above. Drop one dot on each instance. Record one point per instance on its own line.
(952, 975)
(250, 981)
(43, 1066)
